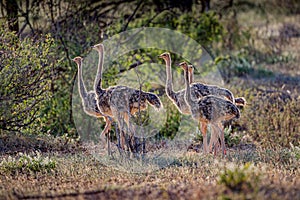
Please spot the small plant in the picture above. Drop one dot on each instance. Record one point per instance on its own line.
(25, 162)
(240, 178)
(172, 123)
(230, 139)
(197, 136)
(240, 64)
(295, 151)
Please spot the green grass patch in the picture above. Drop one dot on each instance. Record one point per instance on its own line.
(23, 162)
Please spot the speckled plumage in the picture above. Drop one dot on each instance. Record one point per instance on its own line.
(88, 99)
(90, 105)
(209, 109)
(121, 101)
(212, 108)
(204, 90)
(137, 99)
(214, 90)
(197, 90)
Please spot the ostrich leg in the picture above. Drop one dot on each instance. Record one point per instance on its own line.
(203, 129)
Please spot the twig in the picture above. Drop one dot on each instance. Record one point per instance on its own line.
(132, 15)
(132, 66)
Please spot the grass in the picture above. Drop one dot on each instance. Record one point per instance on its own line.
(26, 162)
(246, 172)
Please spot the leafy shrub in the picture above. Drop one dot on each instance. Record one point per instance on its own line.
(54, 114)
(240, 178)
(239, 65)
(204, 28)
(27, 69)
(295, 151)
(285, 158)
(27, 163)
(172, 122)
(231, 139)
(279, 124)
(197, 135)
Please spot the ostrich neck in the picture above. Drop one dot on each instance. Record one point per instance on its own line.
(169, 86)
(191, 76)
(98, 80)
(81, 86)
(187, 95)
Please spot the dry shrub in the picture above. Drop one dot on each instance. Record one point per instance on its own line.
(272, 118)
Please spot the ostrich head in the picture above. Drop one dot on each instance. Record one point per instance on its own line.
(240, 101)
(184, 65)
(191, 68)
(165, 56)
(77, 59)
(98, 47)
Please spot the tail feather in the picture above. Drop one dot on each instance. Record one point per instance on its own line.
(228, 94)
(237, 113)
(233, 110)
(154, 100)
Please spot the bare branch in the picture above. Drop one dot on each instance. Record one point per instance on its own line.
(132, 15)
(132, 66)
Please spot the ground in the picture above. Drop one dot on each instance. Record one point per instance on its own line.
(259, 174)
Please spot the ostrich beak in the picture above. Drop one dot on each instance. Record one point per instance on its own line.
(74, 59)
(181, 64)
(97, 46)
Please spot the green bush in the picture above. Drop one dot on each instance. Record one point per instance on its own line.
(239, 65)
(27, 72)
(172, 124)
(205, 28)
(230, 139)
(241, 179)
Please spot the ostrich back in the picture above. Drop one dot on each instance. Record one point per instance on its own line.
(212, 109)
(202, 90)
(123, 98)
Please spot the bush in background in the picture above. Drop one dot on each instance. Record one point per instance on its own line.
(27, 72)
